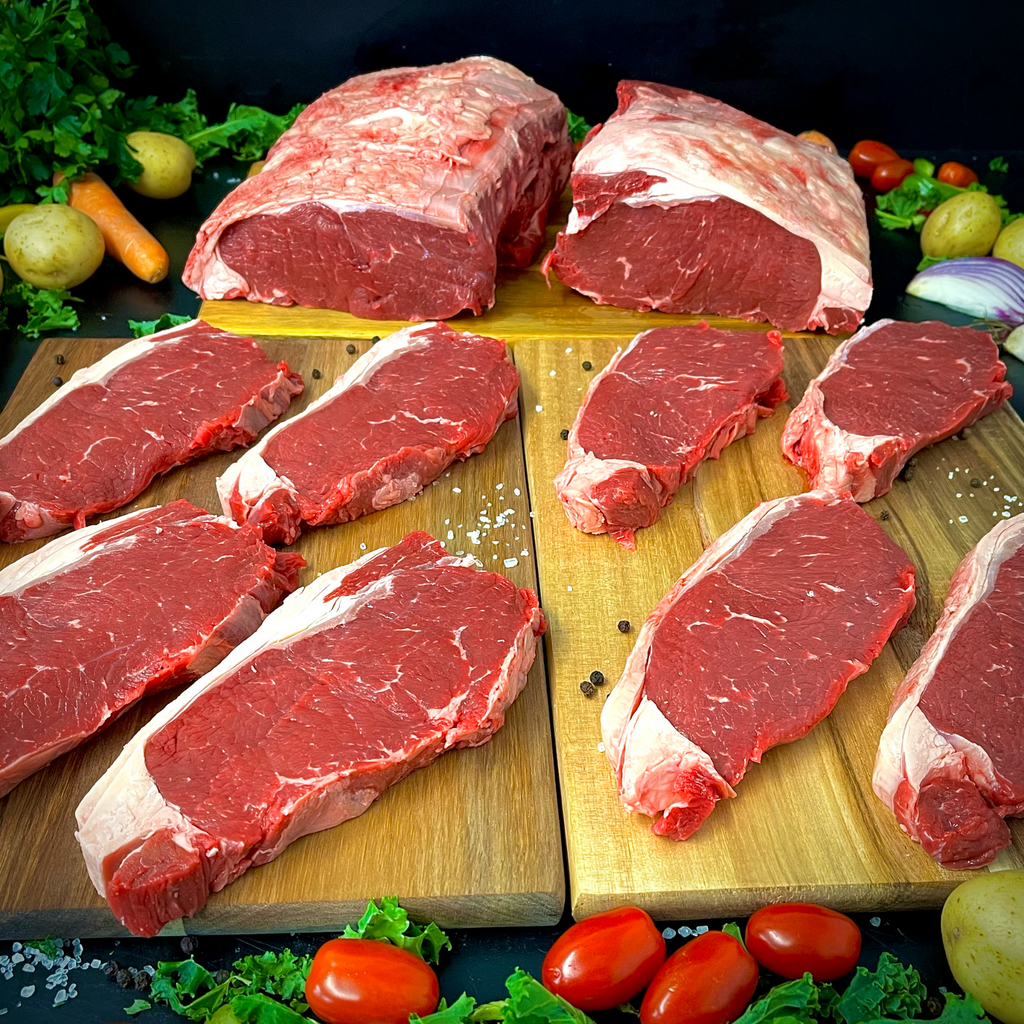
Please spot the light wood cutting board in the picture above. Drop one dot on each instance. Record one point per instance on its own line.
(471, 840)
(805, 824)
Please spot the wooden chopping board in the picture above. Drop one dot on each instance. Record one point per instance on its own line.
(805, 824)
(471, 840)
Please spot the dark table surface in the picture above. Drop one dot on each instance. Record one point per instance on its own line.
(481, 958)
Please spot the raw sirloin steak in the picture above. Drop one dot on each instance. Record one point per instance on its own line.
(951, 760)
(394, 196)
(685, 204)
(402, 414)
(751, 648)
(96, 619)
(149, 406)
(676, 396)
(368, 673)
(886, 393)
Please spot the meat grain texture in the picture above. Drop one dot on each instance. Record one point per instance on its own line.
(100, 617)
(752, 647)
(886, 393)
(150, 405)
(394, 196)
(684, 204)
(394, 422)
(675, 397)
(371, 671)
(951, 759)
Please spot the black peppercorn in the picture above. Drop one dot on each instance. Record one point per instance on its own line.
(58, 359)
(350, 349)
(316, 375)
(110, 969)
(57, 381)
(975, 482)
(587, 687)
(375, 339)
(123, 978)
(221, 976)
(189, 944)
(908, 472)
(587, 364)
(597, 677)
(884, 515)
(624, 626)
(564, 434)
(965, 433)
(143, 981)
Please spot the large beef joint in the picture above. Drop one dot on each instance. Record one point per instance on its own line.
(684, 204)
(394, 196)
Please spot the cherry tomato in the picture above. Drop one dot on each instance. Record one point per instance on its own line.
(819, 140)
(709, 981)
(868, 154)
(363, 981)
(953, 173)
(889, 175)
(791, 938)
(604, 960)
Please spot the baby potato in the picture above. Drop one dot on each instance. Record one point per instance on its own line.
(167, 164)
(966, 225)
(53, 246)
(1010, 243)
(8, 213)
(983, 935)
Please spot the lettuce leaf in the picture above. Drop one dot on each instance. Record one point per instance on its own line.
(390, 923)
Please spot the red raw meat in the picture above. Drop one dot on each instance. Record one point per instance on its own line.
(886, 393)
(684, 204)
(951, 759)
(149, 406)
(394, 196)
(96, 619)
(402, 414)
(752, 647)
(371, 671)
(674, 397)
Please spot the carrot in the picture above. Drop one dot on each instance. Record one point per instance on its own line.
(125, 238)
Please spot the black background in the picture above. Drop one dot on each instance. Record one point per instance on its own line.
(937, 79)
(920, 73)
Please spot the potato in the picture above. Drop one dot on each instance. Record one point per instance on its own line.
(1010, 243)
(167, 164)
(8, 213)
(965, 225)
(53, 246)
(983, 935)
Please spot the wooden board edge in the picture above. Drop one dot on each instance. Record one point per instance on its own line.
(717, 903)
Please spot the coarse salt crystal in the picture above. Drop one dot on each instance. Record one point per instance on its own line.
(511, 563)
(451, 535)
(963, 519)
(539, 408)
(568, 350)
(456, 490)
(515, 491)
(498, 487)
(569, 589)
(28, 992)
(551, 374)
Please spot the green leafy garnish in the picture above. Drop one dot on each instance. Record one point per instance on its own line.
(578, 127)
(892, 991)
(961, 1010)
(37, 309)
(49, 946)
(61, 111)
(458, 1013)
(999, 163)
(733, 929)
(142, 328)
(137, 1007)
(930, 261)
(247, 132)
(792, 1001)
(390, 923)
(258, 1009)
